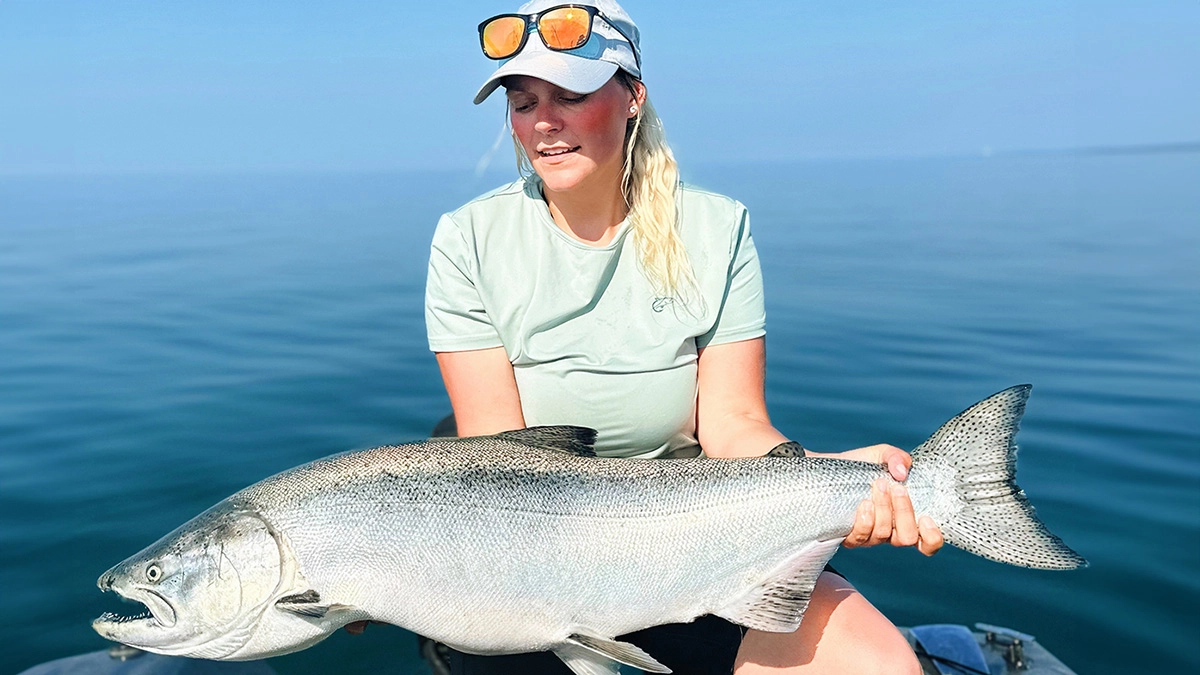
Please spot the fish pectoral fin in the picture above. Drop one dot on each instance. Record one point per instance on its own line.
(778, 603)
(591, 655)
(309, 604)
(317, 611)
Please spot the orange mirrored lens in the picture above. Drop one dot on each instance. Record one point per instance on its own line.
(502, 36)
(565, 28)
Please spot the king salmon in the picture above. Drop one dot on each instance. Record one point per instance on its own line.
(526, 541)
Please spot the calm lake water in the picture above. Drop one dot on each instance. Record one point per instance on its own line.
(165, 341)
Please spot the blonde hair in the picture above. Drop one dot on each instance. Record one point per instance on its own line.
(650, 186)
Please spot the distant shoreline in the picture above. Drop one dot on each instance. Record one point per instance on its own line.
(1140, 149)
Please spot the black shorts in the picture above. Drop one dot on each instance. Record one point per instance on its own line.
(706, 646)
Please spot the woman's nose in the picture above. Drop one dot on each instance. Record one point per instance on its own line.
(548, 123)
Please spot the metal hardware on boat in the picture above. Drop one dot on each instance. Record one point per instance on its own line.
(1012, 641)
(1014, 655)
(1001, 630)
(124, 652)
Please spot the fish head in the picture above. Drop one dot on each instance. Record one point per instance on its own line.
(204, 586)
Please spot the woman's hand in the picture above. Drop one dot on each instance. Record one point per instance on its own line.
(888, 515)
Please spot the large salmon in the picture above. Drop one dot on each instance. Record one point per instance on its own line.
(525, 541)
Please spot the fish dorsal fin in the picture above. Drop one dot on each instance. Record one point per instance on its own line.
(591, 655)
(578, 441)
(787, 449)
(777, 604)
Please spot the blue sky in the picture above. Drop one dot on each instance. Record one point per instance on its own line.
(229, 85)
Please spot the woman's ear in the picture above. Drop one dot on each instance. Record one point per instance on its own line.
(637, 98)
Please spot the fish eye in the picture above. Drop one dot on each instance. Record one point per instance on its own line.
(153, 573)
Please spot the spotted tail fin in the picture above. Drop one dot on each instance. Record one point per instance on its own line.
(970, 465)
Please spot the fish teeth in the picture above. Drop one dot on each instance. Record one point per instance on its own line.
(113, 617)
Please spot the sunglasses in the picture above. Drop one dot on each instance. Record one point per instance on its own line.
(561, 28)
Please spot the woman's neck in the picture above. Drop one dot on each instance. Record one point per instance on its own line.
(590, 216)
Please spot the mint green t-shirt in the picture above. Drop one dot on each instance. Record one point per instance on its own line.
(590, 341)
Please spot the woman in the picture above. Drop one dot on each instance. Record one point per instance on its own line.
(598, 291)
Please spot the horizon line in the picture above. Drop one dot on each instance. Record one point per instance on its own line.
(1176, 147)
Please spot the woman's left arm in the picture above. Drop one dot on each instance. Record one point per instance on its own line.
(731, 408)
(732, 421)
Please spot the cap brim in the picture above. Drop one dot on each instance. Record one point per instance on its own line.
(573, 73)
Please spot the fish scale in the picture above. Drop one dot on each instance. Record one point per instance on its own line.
(526, 541)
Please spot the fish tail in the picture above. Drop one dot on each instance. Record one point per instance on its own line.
(970, 465)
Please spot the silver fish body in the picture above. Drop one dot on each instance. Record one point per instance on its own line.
(525, 541)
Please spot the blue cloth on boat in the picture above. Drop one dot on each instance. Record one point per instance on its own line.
(951, 642)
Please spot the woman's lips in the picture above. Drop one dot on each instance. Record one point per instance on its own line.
(557, 152)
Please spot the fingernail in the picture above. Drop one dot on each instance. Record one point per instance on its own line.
(864, 512)
(899, 490)
(903, 472)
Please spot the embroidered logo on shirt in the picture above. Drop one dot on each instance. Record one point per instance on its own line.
(660, 304)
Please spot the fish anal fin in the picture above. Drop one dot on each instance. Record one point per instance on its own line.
(607, 653)
(583, 661)
(571, 440)
(777, 604)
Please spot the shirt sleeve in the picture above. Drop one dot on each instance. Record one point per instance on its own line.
(455, 316)
(742, 315)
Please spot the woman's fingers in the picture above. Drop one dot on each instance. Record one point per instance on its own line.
(883, 512)
(864, 523)
(904, 532)
(930, 536)
(898, 461)
(888, 516)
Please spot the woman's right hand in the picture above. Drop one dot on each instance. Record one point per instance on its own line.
(888, 516)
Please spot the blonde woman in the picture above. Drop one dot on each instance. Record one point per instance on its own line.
(599, 291)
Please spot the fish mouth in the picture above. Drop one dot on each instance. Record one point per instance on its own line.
(156, 612)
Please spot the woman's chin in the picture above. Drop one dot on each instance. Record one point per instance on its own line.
(563, 176)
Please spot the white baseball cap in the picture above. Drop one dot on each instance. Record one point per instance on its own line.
(613, 44)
